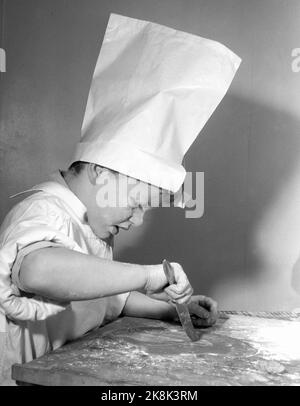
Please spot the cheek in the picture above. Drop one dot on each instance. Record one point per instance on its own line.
(94, 218)
(108, 216)
(116, 216)
(99, 215)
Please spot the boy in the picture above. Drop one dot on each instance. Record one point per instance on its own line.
(153, 90)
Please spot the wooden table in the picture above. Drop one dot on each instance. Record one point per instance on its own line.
(130, 351)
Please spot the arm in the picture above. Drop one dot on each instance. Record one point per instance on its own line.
(140, 305)
(202, 309)
(65, 275)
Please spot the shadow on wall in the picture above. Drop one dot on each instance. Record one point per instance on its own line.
(296, 275)
(248, 153)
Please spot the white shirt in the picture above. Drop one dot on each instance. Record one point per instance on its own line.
(30, 325)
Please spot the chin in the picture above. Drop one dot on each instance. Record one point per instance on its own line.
(101, 233)
(104, 236)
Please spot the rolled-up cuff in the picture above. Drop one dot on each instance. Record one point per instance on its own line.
(15, 273)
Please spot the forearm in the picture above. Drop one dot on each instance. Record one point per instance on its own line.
(65, 275)
(140, 305)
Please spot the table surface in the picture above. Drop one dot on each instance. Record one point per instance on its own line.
(130, 351)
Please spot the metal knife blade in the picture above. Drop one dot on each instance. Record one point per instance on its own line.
(182, 309)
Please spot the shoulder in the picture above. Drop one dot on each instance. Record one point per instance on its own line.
(39, 207)
(39, 202)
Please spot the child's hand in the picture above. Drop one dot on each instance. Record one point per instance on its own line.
(181, 291)
(204, 311)
(158, 288)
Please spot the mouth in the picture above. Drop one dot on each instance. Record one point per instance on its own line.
(114, 230)
(124, 228)
(125, 225)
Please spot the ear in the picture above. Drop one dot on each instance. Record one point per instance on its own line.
(93, 172)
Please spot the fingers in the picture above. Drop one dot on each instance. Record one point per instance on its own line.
(181, 291)
(199, 311)
(205, 309)
(180, 298)
(181, 280)
(211, 305)
(202, 322)
(208, 303)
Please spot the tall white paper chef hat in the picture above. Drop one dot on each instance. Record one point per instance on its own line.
(153, 90)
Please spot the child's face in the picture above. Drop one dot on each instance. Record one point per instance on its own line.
(119, 202)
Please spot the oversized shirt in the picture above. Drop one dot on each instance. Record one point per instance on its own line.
(30, 325)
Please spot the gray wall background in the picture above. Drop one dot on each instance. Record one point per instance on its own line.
(243, 250)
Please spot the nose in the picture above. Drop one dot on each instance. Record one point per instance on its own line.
(137, 216)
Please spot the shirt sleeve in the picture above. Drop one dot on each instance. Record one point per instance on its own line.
(15, 272)
(40, 224)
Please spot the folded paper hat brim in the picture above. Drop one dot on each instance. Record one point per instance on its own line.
(132, 161)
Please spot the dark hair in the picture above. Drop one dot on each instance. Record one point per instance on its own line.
(77, 167)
